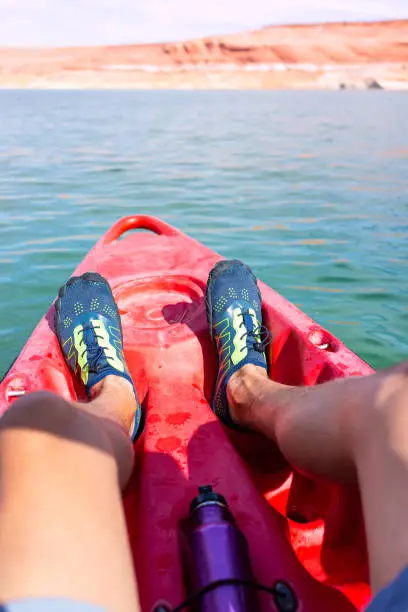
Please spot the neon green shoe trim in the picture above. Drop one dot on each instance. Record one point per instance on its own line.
(239, 342)
(102, 337)
(82, 352)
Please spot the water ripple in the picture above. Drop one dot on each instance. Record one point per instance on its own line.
(310, 188)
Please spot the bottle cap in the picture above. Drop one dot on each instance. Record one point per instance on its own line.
(205, 496)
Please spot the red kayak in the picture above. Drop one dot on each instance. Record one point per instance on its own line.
(307, 533)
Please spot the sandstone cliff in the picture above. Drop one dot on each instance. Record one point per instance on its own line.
(310, 56)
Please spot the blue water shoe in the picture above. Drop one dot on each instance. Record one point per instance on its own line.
(234, 315)
(89, 330)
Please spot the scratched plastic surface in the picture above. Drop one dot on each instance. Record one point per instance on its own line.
(305, 532)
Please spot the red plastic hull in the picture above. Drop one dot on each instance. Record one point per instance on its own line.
(305, 532)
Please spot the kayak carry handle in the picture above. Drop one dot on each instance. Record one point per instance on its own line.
(146, 222)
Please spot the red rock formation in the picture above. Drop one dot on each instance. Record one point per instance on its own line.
(340, 44)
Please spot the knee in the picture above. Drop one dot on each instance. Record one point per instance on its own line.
(41, 411)
(383, 415)
(376, 405)
(392, 393)
(48, 413)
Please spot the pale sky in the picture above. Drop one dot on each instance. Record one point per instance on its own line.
(89, 22)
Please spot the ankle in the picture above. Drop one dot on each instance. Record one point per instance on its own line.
(114, 398)
(243, 389)
(111, 384)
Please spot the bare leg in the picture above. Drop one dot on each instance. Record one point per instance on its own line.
(348, 428)
(62, 528)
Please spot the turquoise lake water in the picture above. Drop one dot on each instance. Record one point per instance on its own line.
(310, 188)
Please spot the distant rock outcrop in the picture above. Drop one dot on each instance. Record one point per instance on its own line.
(373, 84)
(322, 44)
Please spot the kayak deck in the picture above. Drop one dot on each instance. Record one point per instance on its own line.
(305, 532)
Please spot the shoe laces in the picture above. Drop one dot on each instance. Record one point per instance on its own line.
(94, 352)
(259, 335)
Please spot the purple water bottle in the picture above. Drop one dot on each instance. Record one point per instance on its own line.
(215, 549)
